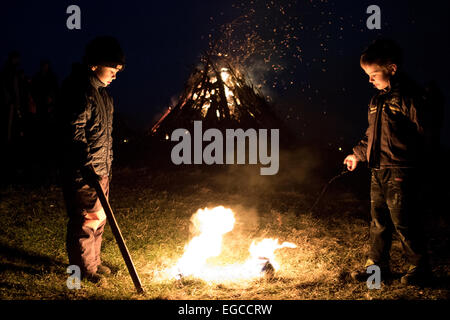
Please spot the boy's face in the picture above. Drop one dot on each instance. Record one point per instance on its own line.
(106, 74)
(379, 76)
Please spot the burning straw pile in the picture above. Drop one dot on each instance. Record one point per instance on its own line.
(210, 226)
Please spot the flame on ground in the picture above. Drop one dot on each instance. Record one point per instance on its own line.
(211, 225)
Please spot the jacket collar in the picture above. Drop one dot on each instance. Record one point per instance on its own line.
(95, 82)
(394, 85)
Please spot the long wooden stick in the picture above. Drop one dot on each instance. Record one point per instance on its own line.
(119, 238)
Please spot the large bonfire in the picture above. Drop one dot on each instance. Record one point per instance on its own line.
(219, 94)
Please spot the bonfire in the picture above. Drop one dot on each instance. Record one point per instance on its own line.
(210, 226)
(221, 95)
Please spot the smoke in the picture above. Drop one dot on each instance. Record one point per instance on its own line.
(174, 100)
(258, 72)
(260, 200)
(297, 174)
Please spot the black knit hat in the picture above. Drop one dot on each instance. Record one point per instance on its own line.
(104, 51)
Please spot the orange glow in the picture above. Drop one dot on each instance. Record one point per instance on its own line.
(210, 226)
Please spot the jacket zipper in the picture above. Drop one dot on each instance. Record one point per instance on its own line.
(107, 132)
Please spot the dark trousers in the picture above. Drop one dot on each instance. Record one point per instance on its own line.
(83, 243)
(84, 246)
(395, 207)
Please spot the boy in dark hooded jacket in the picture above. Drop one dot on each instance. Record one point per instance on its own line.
(88, 114)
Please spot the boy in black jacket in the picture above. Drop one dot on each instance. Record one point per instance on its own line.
(88, 110)
(394, 147)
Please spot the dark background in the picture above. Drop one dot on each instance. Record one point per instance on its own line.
(163, 40)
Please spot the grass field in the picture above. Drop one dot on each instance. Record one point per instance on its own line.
(153, 210)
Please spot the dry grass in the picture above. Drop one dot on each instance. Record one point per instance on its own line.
(153, 211)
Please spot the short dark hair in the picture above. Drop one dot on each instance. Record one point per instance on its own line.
(382, 52)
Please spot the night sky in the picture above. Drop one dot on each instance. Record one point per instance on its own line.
(320, 91)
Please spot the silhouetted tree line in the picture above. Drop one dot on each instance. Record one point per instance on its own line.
(27, 119)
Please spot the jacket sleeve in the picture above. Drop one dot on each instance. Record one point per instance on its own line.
(80, 147)
(360, 150)
(420, 116)
(111, 150)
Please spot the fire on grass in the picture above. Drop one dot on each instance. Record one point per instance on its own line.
(210, 226)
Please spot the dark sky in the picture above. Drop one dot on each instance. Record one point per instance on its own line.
(324, 96)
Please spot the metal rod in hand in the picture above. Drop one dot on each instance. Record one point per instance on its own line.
(344, 171)
(119, 238)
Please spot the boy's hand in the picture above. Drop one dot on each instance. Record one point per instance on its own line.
(351, 162)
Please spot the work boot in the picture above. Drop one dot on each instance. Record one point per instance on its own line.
(103, 270)
(362, 275)
(416, 276)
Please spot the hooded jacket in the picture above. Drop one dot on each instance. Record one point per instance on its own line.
(88, 111)
(398, 130)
